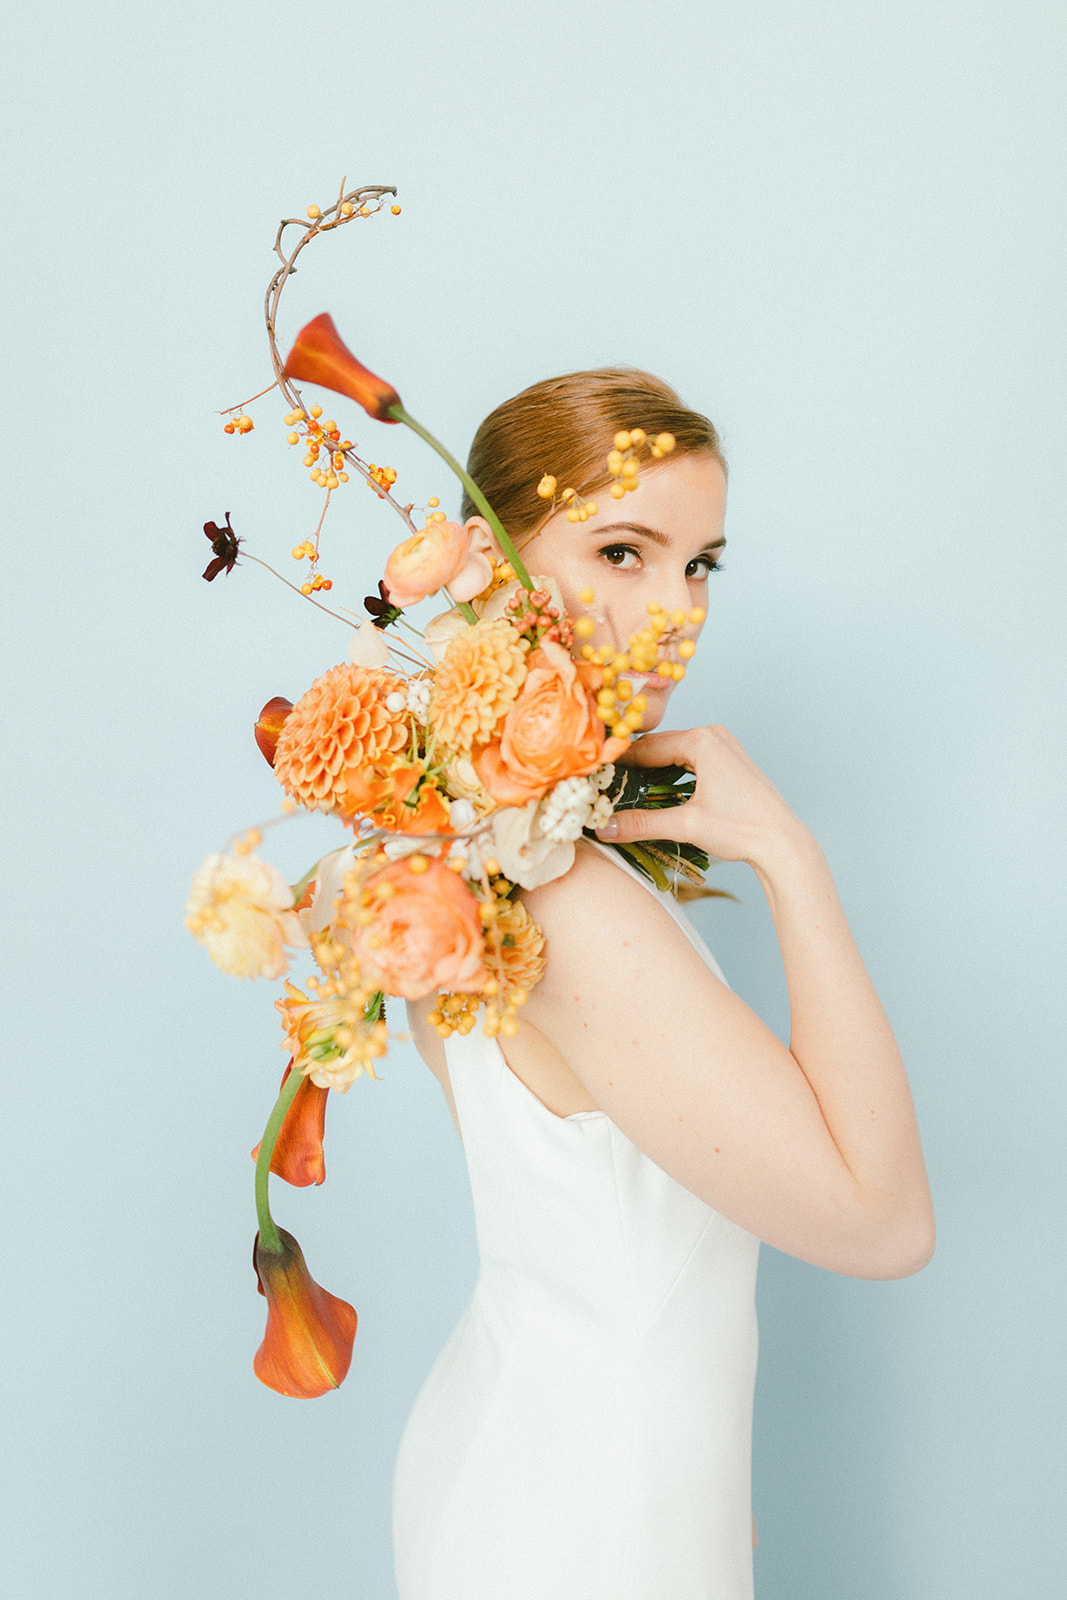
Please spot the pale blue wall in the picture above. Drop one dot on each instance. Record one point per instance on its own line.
(839, 227)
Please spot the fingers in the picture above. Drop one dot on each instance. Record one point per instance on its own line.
(672, 747)
(629, 827)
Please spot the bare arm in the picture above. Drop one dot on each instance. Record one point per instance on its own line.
(814, 1148)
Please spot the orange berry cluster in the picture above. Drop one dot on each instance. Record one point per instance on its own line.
(241, 424)
(314, 580)
(320, 437)
(384, 477)
(532, 612)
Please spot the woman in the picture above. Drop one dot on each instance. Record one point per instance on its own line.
(586, 1433)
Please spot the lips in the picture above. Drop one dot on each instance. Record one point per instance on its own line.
(647, 680)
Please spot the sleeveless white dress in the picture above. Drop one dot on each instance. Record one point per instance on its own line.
(586, 1432)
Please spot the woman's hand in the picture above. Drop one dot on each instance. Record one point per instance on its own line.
(736, 813)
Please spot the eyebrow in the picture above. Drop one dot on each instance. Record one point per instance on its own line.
(648, 533)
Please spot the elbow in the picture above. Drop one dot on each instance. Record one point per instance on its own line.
(901, 1250)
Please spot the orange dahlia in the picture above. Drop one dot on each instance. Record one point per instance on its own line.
(476, 684)
(341, 735)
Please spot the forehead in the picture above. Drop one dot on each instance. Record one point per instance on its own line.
(682, 500)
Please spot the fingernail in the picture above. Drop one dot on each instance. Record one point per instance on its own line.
(610, 830)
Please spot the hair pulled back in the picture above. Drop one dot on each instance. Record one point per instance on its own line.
(566, 426)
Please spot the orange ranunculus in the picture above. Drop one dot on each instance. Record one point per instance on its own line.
(551, 732)
(298, 1156)
(440, 553)
(307, 1347)
(425, 933)
(320, 356)
(270, 724)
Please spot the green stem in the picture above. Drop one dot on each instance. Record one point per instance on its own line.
(268, 1233)
(503, 539)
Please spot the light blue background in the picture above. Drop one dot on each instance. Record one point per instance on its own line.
(838, 226)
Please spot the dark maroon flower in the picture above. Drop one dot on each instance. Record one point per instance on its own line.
(382, 610)
(225, 544)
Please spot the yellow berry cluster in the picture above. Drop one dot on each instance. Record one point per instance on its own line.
(384, 477)
(578, 510)
(320, 436)
(241, 424)
(617, 704)
(624, 458)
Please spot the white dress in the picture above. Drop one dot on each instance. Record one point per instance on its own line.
(586, 1432)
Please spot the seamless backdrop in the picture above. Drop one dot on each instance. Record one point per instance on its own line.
(838, 227)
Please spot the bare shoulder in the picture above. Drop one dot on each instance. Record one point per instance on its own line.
(599, 915)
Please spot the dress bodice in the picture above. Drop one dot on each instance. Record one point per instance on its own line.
(591, 1415)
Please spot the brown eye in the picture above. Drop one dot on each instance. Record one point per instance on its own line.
(707, 563)
(617, 554)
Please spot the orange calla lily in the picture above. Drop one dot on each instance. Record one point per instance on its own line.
(298, 1156)
(307, 1348)
(270, 724)
(321, 356)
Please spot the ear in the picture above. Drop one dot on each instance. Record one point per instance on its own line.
(483, 540)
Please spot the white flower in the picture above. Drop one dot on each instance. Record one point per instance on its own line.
(465, 784)
(440, 631)
(497, 603)
(367, 646)
(241, 909)
(575, 804)
(525, 855)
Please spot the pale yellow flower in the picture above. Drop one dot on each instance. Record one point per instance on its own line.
(520, 944)
(241, 909)
(329, 1038)
(476, 684)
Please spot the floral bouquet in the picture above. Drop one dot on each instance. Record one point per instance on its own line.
(464, 760)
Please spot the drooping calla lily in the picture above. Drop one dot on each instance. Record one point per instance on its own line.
(321, 356)
(298, 1156)
(307, 1348)
(270, 724)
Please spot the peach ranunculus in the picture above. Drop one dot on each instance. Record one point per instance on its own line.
(551, 732)
(241, 909)
(440, 553)
(425, 933)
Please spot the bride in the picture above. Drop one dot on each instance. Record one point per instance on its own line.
(586, 1433)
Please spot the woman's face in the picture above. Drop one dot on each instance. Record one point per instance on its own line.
(659, 543)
